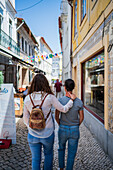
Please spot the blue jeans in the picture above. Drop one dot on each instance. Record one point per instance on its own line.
(70, 134)
(36, 146)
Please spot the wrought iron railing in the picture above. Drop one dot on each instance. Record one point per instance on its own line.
(7, 42)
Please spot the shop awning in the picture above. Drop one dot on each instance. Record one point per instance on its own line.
(5, 54)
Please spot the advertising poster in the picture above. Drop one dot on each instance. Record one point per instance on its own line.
(7, 113)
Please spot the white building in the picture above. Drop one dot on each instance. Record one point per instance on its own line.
(9, 51)
(65, 32)
(27, 43)
(45, 65)
(57, 67)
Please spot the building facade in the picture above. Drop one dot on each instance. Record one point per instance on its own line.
(45, 64)
(65, 38)
(9, 51)
(28, 45)
(92, 70)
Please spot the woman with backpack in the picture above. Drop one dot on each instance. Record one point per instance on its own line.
(39, 121)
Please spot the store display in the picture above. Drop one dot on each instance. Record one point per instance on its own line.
(94, 88)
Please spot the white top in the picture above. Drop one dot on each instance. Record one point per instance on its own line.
(50, 101)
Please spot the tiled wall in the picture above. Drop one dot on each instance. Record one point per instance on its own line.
(110, 79)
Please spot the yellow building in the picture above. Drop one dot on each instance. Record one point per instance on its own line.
(92, 55)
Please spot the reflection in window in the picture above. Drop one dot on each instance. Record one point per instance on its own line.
(26, 47)
(83, 9)
(93, 84)
(29, 50)
(18, 39)
(22, 44)
(10, 28)
(75, 17)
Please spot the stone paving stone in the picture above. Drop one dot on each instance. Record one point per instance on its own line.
(90, 155)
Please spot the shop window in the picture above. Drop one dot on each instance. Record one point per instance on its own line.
(83, 9)
(93, 85)
(75, 18)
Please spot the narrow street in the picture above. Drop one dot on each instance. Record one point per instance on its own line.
(90, 155)
(59, 41)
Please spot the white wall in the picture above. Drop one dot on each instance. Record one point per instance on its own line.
(8, 13)
(66, 67)
(46, 64)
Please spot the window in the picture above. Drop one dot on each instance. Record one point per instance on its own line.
(1, 16)
(29, 50)
(0, 21)
(93, 4)
(66, 75)
(26, 47)
(93, 85)
(66, 38)
(10, 28)
(1, 11)
(18, 39)
(22, 44)
(83, 9)
(75, 17)
(32, 51)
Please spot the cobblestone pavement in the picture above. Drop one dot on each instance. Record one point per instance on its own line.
(90, 156)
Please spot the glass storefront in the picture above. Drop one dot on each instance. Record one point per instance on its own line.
(93, 84)
(8, 70)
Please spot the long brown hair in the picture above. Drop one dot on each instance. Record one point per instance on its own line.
(40, 83)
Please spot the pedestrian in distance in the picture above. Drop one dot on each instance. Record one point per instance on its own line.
(69, 127)
(58, 88)
(38, 90)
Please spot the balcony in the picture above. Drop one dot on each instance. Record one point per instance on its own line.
(7, 42)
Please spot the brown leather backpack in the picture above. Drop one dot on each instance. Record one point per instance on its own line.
(37, 120)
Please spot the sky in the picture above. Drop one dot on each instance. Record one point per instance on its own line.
(42, 19)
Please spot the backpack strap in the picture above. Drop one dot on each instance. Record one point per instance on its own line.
(32, 102)
(48, 115)
(43, 100)
(38, 105)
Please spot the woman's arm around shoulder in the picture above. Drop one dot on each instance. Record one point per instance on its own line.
(59, 106)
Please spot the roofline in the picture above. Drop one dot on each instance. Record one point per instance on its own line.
(42, 38)
(12, 6)
(29, 31)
